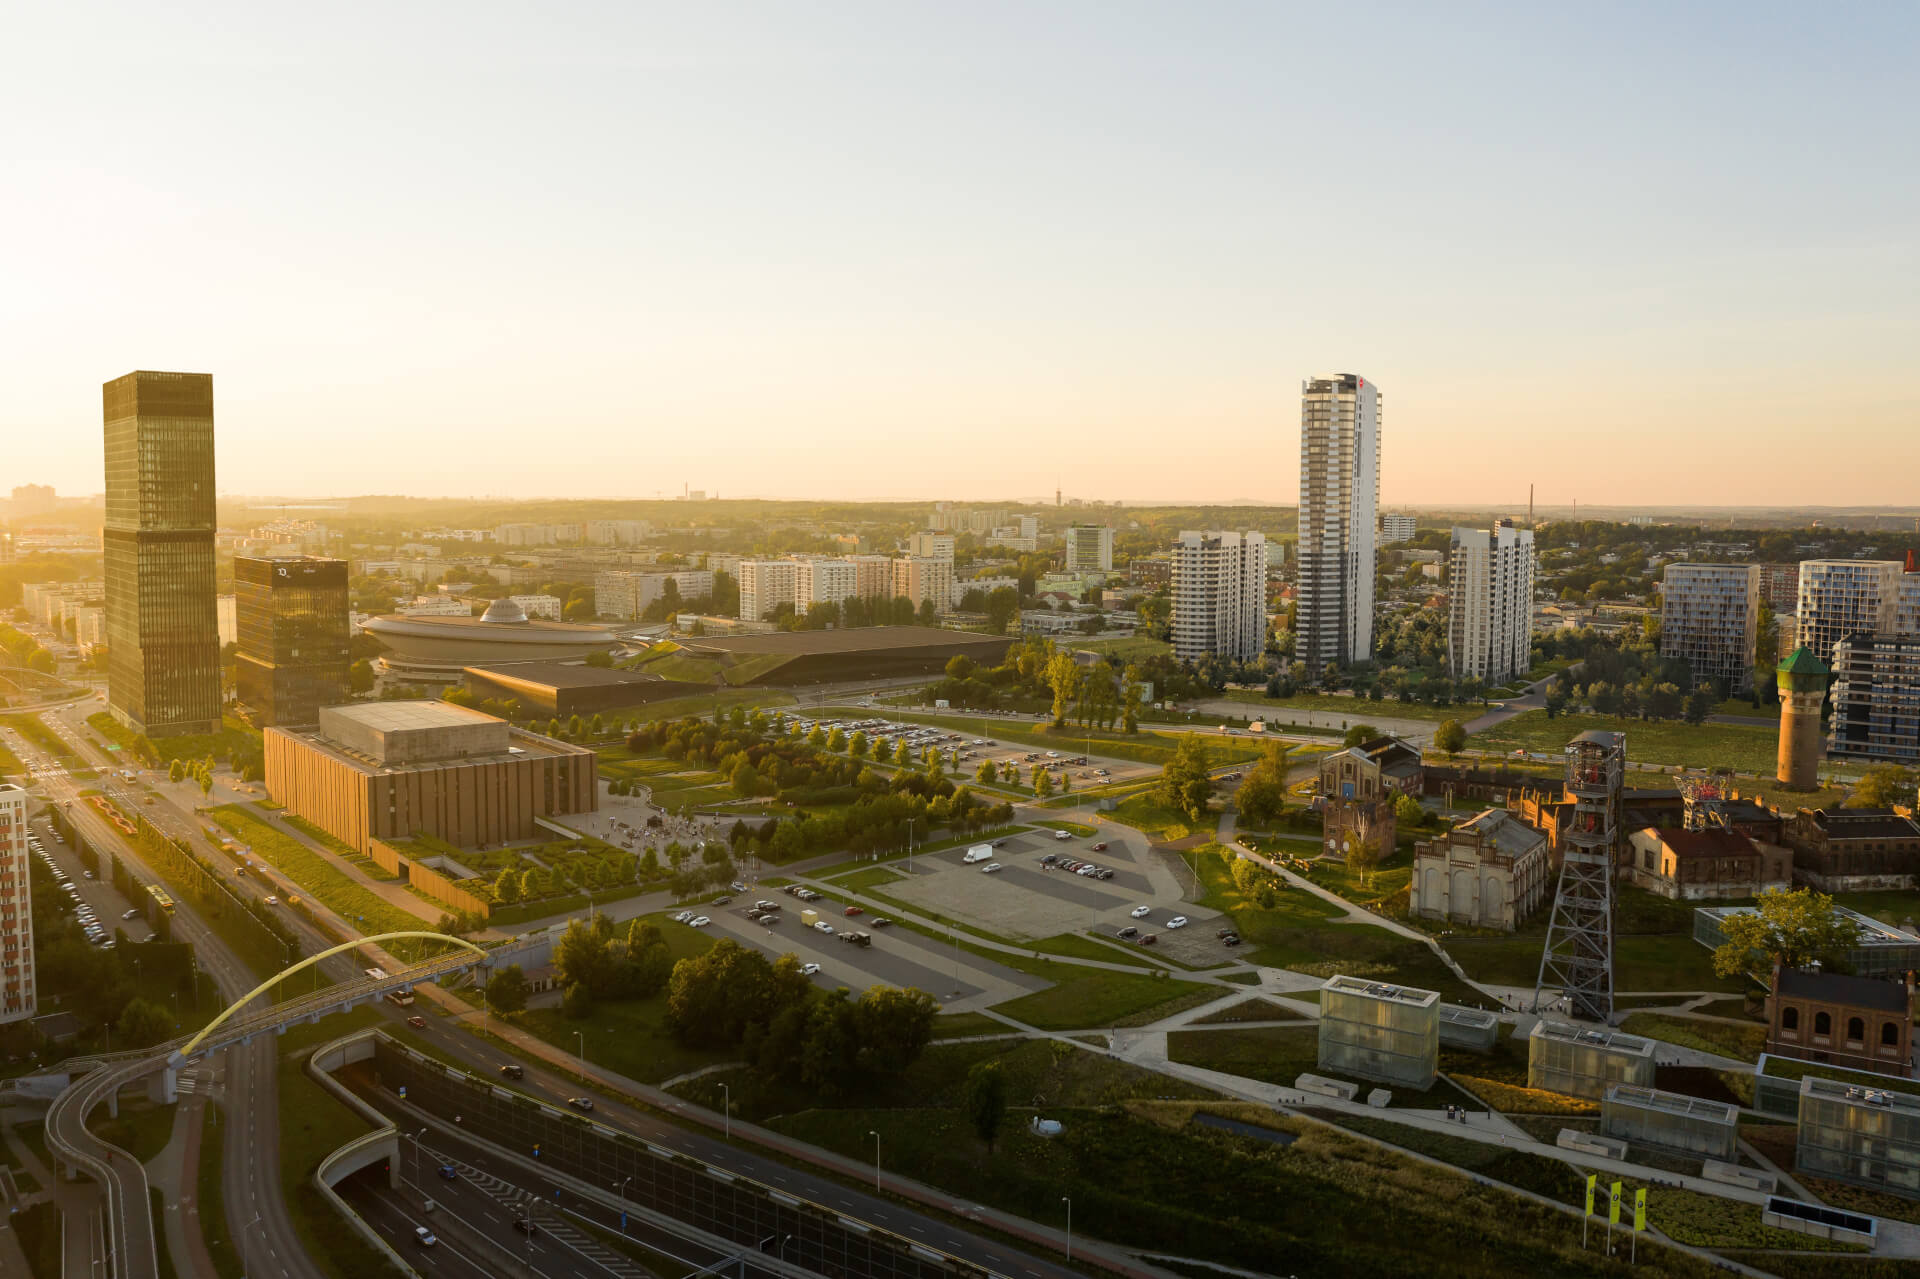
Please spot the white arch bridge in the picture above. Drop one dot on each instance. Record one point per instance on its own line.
(129, 1218)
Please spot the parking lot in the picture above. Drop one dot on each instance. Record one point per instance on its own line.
(102, 903)
(966, 752)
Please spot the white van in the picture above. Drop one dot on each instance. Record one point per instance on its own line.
(978, 853)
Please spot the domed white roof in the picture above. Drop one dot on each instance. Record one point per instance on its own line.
(504, 610)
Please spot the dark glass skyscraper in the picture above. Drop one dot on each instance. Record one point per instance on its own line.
(163, 630)
(292, 616)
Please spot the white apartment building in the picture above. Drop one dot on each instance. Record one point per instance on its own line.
(547, 606)
(626, 593)
(823, 581)
(1398, 528)
(17, 998)
(721, 562)
(1841, 597)
(985, 585)
(872, 576)
(921, 578)
(617, 532)
(1339, 501)
(1089, 548)
(930, 545)
(436, 606)
(764, 586)
(1489, 624)
(1708, 615)
(1219, 595)
(523, 535)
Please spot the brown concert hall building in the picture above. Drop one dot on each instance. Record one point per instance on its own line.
(389, 770)
(163, 627)
(291, 611)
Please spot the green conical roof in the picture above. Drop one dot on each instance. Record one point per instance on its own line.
(1801, 667)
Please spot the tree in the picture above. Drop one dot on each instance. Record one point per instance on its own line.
(1700, 704)
(745, 779)
(1184, 782)
(1359, 735)
(837, 740)
(143, 1022)
(1450, 737)
(902, 753)
(175, 770)
(1792, 929)
(1882, 786)
(360, 676)
(577, 1003)
(1063, 676)
(1042, 781)
(1556, 699)
(985, 1100)
(986, 774)
(507, 990)
(1002, 605)
(581, 957)
(506, 887)
(1262, 796)
(960, 666)
(892, 1028)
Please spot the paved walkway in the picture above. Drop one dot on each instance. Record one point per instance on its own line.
(175, 1173)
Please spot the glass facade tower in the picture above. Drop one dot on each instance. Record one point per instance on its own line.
(291, 613)
(163, 632)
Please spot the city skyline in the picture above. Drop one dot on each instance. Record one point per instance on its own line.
(971, 244)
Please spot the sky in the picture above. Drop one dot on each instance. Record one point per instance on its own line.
(1660, 254)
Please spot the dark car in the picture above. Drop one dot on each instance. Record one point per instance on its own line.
(1232, 941)
(722, 900)
(447, 1172)
(511, 1071)
(1129, 931)
(525, 1227)
(1224, 933)
(418, 1023)
(880, 922)
(1150, 939)
(1050, 859)
(580, 1103)
(1100, 848)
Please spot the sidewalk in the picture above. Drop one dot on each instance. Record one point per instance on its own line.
(174, 1172)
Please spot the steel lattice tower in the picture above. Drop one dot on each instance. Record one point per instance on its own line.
(1578, 957)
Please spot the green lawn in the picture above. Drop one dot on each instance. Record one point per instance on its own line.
(1251, 1010)
(1359, 710)
(141, 1129)
(872, 877)
(338, 847)
(1744, 748)
(314, 874)
(1076, 946)
(1090, 998)
(1742, 1043)
(1149, 813)
(1281, 1054)
(1130, 649)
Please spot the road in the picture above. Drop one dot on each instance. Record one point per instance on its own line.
(250, 1170)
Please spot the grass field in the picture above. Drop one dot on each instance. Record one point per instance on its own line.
(1281, 1054)
(1744, 748)
(1130, 649)
(1742, 1043)
(314, 874)
(1090, 998)
(1249, 1010)
(338, 847)
(1358, 709)
(1147, 812)
(861, 881)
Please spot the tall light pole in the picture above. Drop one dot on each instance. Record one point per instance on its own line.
(727, 1093)
(1069, 1203)
(581, 1037)
(623, 1202)
(876, 1157)
(416, 1152)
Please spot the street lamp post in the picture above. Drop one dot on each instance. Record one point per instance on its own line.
(581, 1037)
(623, 1202)
(416, 1154)
(727, 1093)
(876, 1157)
(1069, 1203)
(246, 1233)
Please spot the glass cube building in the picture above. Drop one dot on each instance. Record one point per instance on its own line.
(163, 628)
(1580, 1062)
(1881, 951)
(1655, 1118)
(1390, 1034)
(1867, 1136)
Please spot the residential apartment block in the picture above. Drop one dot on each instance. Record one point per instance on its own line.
(764, 586)
(824, 581)
(1089, 548)
(1398, 528)
(626, 593)
(1841, 597)
(1489, 626)
(872, 576)
(617, 532)
(1339, 501)
(17, 989)
(1708, 615)
(929, 545)
(921, 578)
(1780, 589)
(1876, 698)
(1219, 595)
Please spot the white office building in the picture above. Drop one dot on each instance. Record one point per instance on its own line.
(1219, 595)
(764, 586)
(823, 581)
(17, 999)
(1708, 615)
(1339, 504)
(1489, 626)
(1398, 528)
(1841, 597)
(1089, 549)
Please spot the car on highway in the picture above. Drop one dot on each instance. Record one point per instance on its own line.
(1141, 912)
(990, 868)
(822, 925)
(425, 1236)
(879, 922)
(581, 1103)
(417, 1022)
(513, 1071)
(271, 900)
(1178, 921)
(525, 1227)
(130, 912)
(809, 969)
(448, 1172)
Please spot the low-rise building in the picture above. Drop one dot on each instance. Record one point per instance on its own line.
(1879, 950)
(1852, 850)
(1357, 790)
(1705, 865)
(1583, 1062)
(1647, 1116)
(1381, 1032)
(1150, 571)
(1856, 1023)
(1867, 1136)
(1491, 871)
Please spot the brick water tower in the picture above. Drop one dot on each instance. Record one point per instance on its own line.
(1803, 687)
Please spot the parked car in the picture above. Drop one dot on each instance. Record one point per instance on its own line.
(1100, 848)
(130, 913)
(1232, 940)
(767, 905)
(1149, 939)
(1178, 921)
(1062, 835)
(1224, 933)
(698, 921)
(1129, 932)
(809, 969)
(851, 911)
(1141, 912)
(681, 917)
(1050, 859)
(581, 1103)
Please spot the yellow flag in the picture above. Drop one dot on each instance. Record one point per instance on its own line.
(1613, 1205)
(1640, 1208)
(1591, 1179)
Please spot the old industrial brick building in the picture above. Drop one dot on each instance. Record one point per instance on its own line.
(1489, 872)
(388, 770)
(1705, 865)
(1858, 1023)
(1851, 850)
(1358, 787)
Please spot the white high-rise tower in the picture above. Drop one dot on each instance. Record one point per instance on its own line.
(1339, 505)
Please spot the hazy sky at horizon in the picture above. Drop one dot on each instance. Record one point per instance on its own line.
(1632, 254)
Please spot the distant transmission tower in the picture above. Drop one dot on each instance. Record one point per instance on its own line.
(1577, 960)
